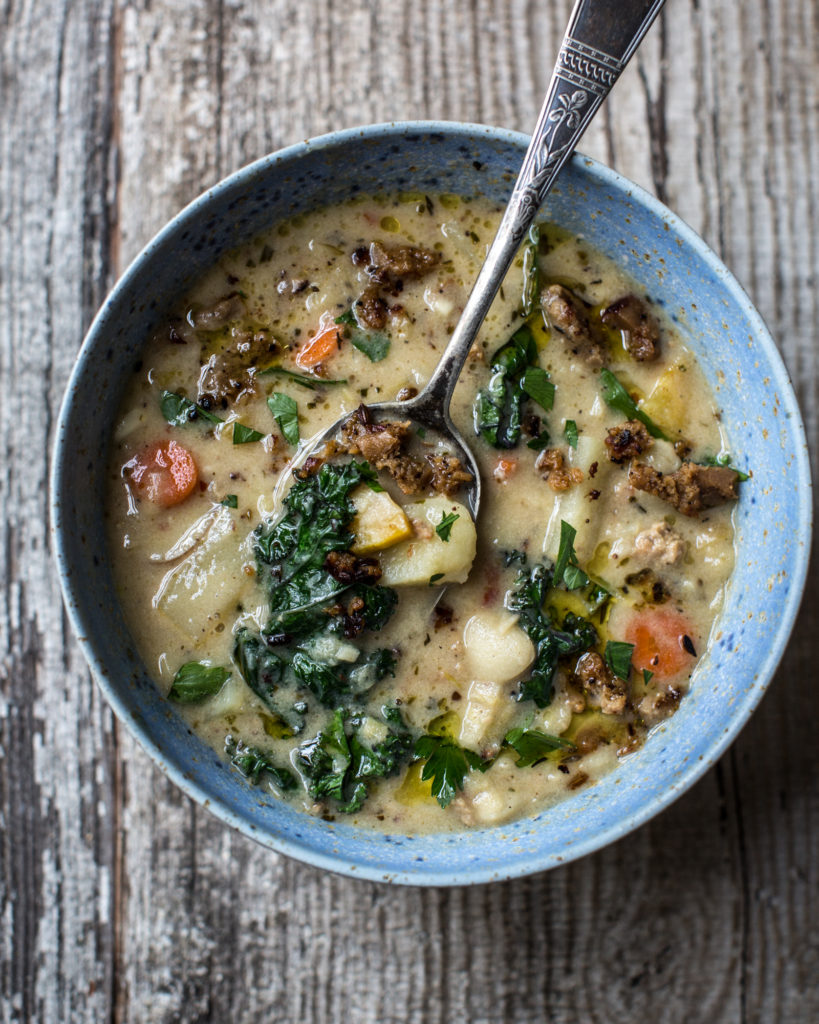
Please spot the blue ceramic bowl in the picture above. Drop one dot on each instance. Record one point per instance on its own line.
(727, 335)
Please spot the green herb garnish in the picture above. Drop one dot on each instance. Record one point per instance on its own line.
(179, 411)
(245, 435)
(616, 396)
(444, 528)
(299, 378)
(537, 385)
(435, 577)
(374, 344)
(447, 765)
(230, 501)
(648, 675)
(533, 746)
(570, 433)
(539, 443)
(195, 681)
(566, 567)
(618, 657)
(286, 413)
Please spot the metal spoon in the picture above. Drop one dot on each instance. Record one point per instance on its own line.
(600, 38)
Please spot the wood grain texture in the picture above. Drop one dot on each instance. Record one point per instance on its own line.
(122, 901)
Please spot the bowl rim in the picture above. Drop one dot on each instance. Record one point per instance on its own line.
(474, 872)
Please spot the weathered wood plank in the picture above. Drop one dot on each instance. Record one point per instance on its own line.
(57, 784)
(120, 899)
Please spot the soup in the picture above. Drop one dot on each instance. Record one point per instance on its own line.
(338, 628)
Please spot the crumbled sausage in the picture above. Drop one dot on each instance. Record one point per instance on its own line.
(448, 473)
(660, 543)
(627, 441)
(223, 312)
(370, 309)
(550, 464)
(642, 334)
(600, 685)
(383, 444)
(388, 266)
(345, 567)
(567, 314)
(690, 489)
(656, 706)
(228, 375)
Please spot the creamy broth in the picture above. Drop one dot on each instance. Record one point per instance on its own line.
(188, 575)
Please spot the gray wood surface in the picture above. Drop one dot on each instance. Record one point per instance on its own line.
(122, 901)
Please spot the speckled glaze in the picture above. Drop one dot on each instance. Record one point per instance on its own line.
(734, 349)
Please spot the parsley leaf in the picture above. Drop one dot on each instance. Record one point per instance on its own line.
(570, 433)
(444, 528)
(374, 344)
(179, 410)
(435, 577)
(286, 414)
(230, 501)
(537, 385)
(616, 396)
(648, 675)
(254, 763)
(245, 435)
(447, 765)
(195, 680)
(566, 567)
(618, 657)
(532, 746)
(299, 378)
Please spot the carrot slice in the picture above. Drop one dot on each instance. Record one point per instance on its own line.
(662, 641)
(325, 343)
(163, 472)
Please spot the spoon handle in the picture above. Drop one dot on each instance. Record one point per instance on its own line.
(600, 38)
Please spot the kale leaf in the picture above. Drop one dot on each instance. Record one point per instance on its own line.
(254, 763)
(338, 763)
(527, 600)
(498, 408)
(195, 681)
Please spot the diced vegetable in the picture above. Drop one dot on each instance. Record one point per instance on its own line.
(325, 343)
(164, 472)
(662, 641)
(378, 523)
(415, 561)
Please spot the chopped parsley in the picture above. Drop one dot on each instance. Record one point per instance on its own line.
(616, 396)
(444, 528)
(245, 435)
(570, 433)
(447, 765)
(537, 385)
(230, 501)
(618, 657)
(374, 344)
(179, 410)
(533, 746)
(285, 411)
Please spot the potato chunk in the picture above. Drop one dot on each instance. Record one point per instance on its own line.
(413, 562)
(497, 649)
(667, 404)
(379, 521)
(204, 588)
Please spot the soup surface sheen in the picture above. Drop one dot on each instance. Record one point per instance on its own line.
(395, 669)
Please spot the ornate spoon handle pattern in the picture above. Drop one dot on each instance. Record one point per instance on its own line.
(600, 38)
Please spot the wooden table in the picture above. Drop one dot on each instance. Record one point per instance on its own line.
(122, 900)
